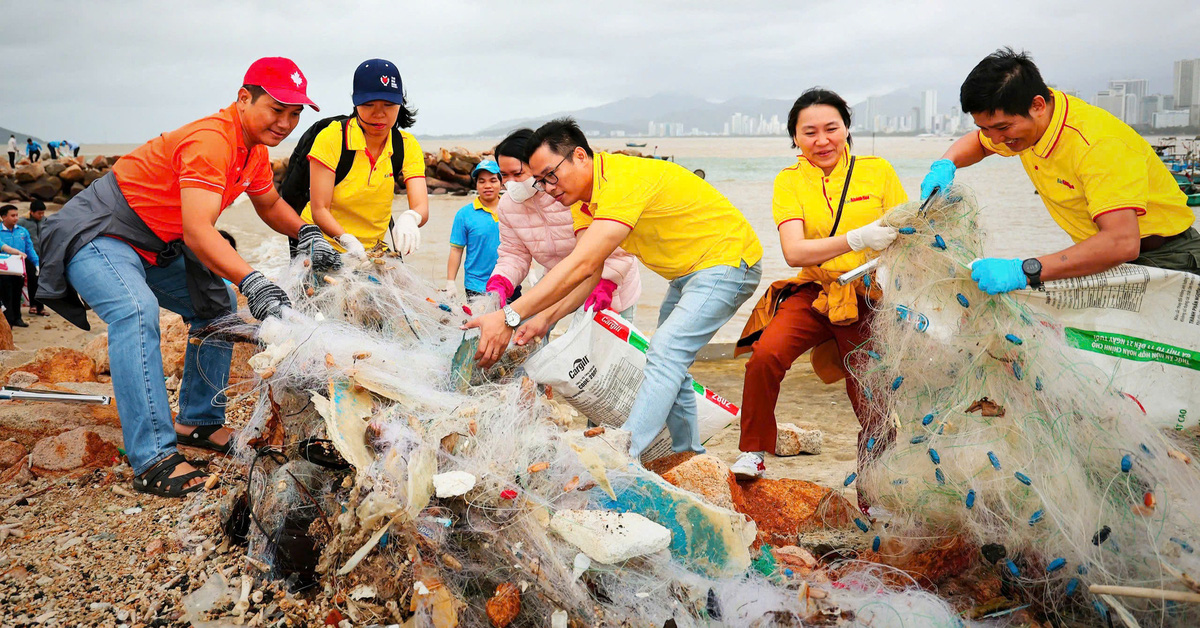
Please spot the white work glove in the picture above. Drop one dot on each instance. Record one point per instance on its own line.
(406, 234)
(450, 288)
(353, 247)
(873, 236)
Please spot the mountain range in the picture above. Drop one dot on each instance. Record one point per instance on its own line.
(632, 115)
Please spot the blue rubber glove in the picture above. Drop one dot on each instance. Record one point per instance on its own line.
(941, 175)
(997, 276)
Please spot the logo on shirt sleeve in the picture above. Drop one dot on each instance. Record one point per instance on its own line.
(865, 197)
(1066, 183)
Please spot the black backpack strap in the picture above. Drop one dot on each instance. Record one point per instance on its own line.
(346, 160)
(842, 203)
(397, 154)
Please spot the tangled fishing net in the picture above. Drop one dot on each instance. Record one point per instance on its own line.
(390, 475)
(1001, 434)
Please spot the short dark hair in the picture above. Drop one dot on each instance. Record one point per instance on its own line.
(228, 238)
(256, 91)
(561, 136)
(818, 96)
(1004, 81)
(515, 145)
(37, 205)
(7, 208)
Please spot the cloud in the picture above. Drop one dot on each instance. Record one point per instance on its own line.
(124, 71)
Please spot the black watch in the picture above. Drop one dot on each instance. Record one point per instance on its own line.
(1033, 272)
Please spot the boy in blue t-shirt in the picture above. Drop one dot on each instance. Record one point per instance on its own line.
(476, 231)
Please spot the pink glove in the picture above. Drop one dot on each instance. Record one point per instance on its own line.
(601, 297)
(501, 285)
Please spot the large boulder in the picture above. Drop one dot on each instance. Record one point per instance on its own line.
(58, 364)
(111, 159)
(98, 162)
(45, 188)
(792, 440)
(78, 448)
(6, 336)
(90, 176)
(5, 169)
(54, 167)
(707, 476)
(785, 508)
(71, 174)
(30, 172)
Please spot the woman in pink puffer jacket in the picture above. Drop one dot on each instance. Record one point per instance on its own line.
(535, 227)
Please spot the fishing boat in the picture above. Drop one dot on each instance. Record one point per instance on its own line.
(635, 145)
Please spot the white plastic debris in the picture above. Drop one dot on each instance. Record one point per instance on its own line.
(558, 619)
(582, 562)
(610, 537)
(452, 483)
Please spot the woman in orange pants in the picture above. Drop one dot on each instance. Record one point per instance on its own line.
(827, 208)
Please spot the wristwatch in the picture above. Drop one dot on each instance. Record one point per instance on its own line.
(1033, 272)
(511, 318)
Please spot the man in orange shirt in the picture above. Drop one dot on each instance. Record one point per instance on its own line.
(144, 236)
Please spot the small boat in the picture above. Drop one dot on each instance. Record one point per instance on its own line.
(1193, 200)
(635, 145)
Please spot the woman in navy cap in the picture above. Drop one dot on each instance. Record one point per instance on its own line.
(356, 209)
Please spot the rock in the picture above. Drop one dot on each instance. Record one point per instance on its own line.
(59, 364)
(11, 452)
(53, 168)
(453, 483)
(22, 379)
(174, 342)
(111, 159)
(154, 547)
(97, 350)
(78, 448)
(5, 169)
(707, 476)
(610, 537)
(71, 174)
(28, 422)
(30, 172)
(18, 474)
(504, 605)
(45, 188)
(792, 440)
(784, 508)
(90, 176)
(76, 188)
(99, 162)
(932, 565)
(101, 415)
(6, 336)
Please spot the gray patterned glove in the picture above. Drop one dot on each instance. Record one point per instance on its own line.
(264, 298)
(313, 242)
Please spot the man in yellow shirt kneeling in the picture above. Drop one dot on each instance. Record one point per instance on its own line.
(678, 225)
(1100, 180)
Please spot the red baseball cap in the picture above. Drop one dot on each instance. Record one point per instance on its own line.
(280, 77)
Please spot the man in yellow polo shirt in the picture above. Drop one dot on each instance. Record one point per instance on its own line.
(1099, 179)
(678, 225)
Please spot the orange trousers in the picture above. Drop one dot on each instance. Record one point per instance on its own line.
(797, 328)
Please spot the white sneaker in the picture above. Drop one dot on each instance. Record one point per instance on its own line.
(749, 466)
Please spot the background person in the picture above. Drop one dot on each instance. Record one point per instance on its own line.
(475, 234)
(33, 224)
(33, 150)
(15, 240)
(12, 151)
(1100, 180)
(535, 227)
(827, 209)
(356, 211)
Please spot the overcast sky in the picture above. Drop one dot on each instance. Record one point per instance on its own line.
(117, 71)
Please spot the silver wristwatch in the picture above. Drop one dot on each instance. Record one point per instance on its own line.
(511, 318)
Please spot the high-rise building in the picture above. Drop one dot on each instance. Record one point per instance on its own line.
(1135, 91)
(928, 111)
(1151, 105)
(650, 131)
(1187, 87)
(1112, 100)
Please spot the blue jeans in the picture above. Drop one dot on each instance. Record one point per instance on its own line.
(696, 306)
(126, 293)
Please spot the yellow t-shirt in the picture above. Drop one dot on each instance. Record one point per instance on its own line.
(362, 202)
(680, 223)
(804, 192)
(1088, 163)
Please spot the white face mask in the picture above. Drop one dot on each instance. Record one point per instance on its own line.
(520, 191)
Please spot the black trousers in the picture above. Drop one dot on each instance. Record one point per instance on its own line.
(53, 153)
(75, 152)
(31, 280)
(12, 159)
(10, 295)
(35, 155)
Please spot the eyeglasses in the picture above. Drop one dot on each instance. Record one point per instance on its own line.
(540, 183)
